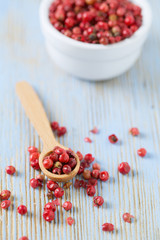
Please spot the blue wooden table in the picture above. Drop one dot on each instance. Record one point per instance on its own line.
(114, 106)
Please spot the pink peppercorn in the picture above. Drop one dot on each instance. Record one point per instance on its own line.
(77, 184)
(94, 130)
(70, 221)
(32, 149)
(124, 168)
(5, 194)
(48, 215)
(24, 238)
(98, 201)
(80, 156)
(142, 152)
(61, 131)
(22, 209)
(64, 158)
(91, 191)
(40, 177)
(34, 156)
(87, 139)
(59, 192)
(127, 217)
(50, 206)
(51, 185)
(10, 170)
(34, 183)
(96, 166)
(112, 138)
(92, 182)
(5, 204)
(66, 169)
(87, 174)
(95, 173)
(57, 171)
(72, 162)
(47, 163)
(89, 158)
(81, 170)
(35, 164)
(56, 202)
(107, 227)
(104, 176)
(134, 131)
(54, 125)
(67, 205)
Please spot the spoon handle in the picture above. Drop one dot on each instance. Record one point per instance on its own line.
(35, 112)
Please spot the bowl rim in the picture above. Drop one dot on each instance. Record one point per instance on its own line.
(141, 32)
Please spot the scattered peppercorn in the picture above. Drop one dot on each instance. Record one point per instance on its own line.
(142, 152)
(127, 217)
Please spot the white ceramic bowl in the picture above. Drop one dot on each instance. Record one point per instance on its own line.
(91, 61)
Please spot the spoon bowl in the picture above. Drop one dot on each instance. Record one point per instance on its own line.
(35, 112)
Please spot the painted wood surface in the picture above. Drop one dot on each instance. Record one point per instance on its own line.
(114, 106)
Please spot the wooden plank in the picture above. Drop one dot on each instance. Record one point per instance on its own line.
(114, 106)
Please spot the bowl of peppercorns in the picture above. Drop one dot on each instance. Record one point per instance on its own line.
(95, 39)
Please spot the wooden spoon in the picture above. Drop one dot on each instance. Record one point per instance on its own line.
(35, 112)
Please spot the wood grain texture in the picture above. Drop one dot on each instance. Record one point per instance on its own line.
(114, 106)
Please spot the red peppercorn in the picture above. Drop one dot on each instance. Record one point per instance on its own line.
(56, 202)
(134, 131)
(53, 156)
(54, 125)
(34, 156)
(129, 20)
(70, 221)
(77, 184)
(80, 156)
(67, 205)
(104, 176)
(35, 164)
(47, 163)
(121, 11)
(59, 192)
(34, 183)
(59, 150)
(57, 171)
(66, 169)
(24, 238)
(142, 152)
(87, 174)
(95, 173)
(48, 215)
(87, 139)
(124, 168)
(112, 138)
(72, 162)
(50, 206)
(89, 158)
(94, 130)
(96, 166)
(92, 182)
(127, 217)
(5, 194)
(81, 170)
(5, 204)
(40, 177)
(32, 149)
(107, 227)
(51, 185)
(98, 201)
(10, 170)
(64, 158)
(22, 209)
(61, 131)
(91, 191)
